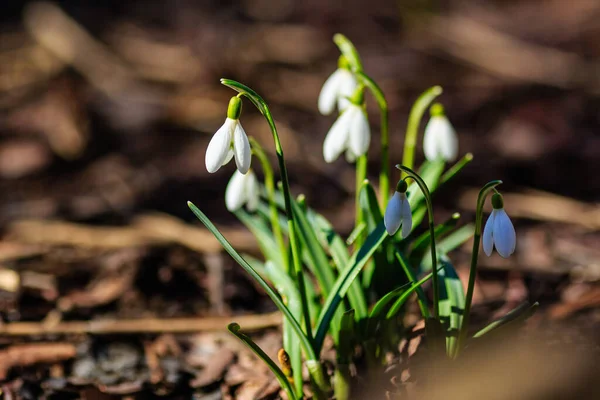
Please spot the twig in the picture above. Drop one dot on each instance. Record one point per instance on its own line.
(148, 229)
(142, 325)
(29, 354)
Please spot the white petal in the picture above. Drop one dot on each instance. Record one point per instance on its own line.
(241, 149)
(252, 191)
(504, 234)
(440, 139)
(235, 194)
(360, 133)
(346, 88)
(488, 234)
(218, 148)
(406, 217)
(337, 138)
(350, 156)
(229, 156)
(448, 141)
(329, 92)
(393, 214)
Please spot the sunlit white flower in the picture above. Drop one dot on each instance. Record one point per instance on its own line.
(229, 141)
(440, 140)
(349, 132)
(337, 88)
(398, 214)
(499, 231)
(242, 189)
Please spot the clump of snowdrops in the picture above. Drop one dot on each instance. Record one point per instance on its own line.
(355, 289)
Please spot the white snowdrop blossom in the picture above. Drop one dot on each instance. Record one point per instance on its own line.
(242, 189)
(350, 132)
(398, 214)
(230, 141)
(337, 89)
(499, 231)
(440, 140)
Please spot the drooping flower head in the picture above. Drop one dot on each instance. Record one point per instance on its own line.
(242, 189)
(499, 231)
(229, 141)
(350, 132)
(337, 88)
(440, 140)
(398, 213)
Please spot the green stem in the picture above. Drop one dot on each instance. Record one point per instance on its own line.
(234, 328)
(456, 168)
(384, 176)
(464, 329)
(314, 366)
(270, 188)
(423, 186)
(414, 120)
(421, 298)
(361, 175)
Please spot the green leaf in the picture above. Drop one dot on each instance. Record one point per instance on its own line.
(263, 235)
(234, 328)
(449, 243)
(348, 275)
(405, 295)
(430, 172)
(513, 317)
(317, 259)
(370, 205)
(291, 343)
(305, 341)
(421, 243)
(452, 304)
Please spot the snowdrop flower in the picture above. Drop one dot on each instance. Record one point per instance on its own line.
(337, 88)
(242, 189)
(398, 213)
(499, 231)
(349, 132)
(230, 141)
(440, 140)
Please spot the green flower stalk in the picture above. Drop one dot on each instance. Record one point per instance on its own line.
(352, 57)
(270, 189)
(423, 186)
(483, 193)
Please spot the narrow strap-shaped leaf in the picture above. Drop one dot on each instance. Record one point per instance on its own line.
(317, 257)
(291, 343)
(306, 343)
(264, 236)
(449, 243)
(234, 328)
(370, 205)
(452, 304)
(421, 243)
(348, 275)
(405, 295)
(518, 314)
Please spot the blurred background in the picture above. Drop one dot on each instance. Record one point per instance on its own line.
(106, 109)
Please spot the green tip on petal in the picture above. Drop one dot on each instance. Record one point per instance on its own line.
(497, 201)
